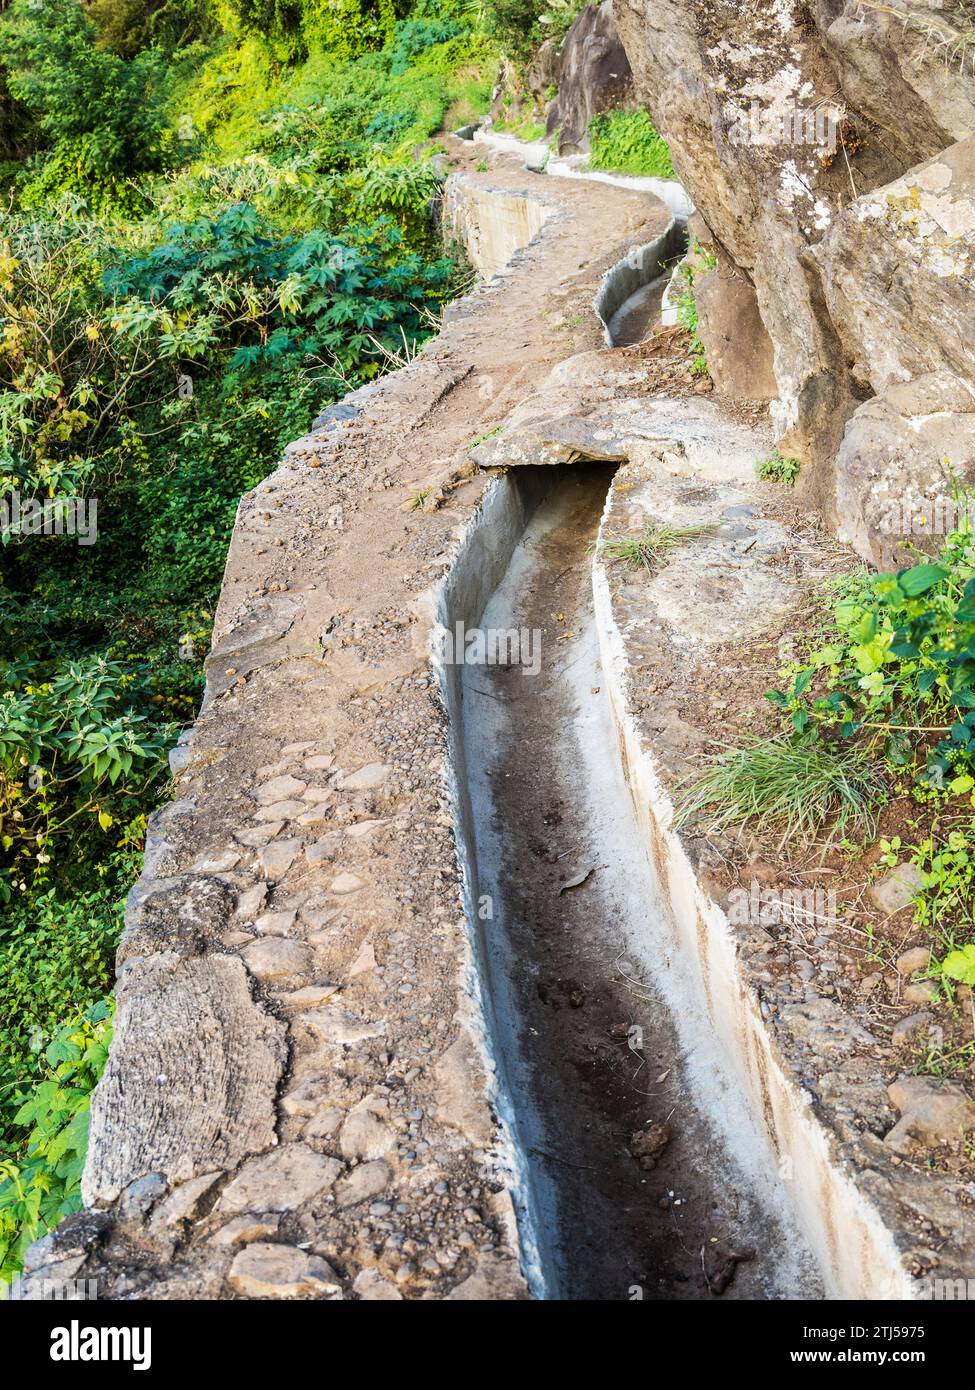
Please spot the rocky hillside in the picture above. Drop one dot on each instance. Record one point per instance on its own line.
(828, 147)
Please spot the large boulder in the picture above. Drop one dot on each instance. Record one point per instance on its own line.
(898, 267)
(897, 468)
(593, 76)
(778, 117)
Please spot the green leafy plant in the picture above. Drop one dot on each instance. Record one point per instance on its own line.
(776, 469)
(899, 668)
(890, 851)
(697, 262)
(959, 965)
(947, 868)
(40, 1182)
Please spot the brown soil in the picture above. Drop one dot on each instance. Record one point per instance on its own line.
(862, 950)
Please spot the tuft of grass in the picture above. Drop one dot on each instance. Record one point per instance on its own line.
(645, 551)
(952, 38)
(419, 498)
(776, 469)
(792, 786)
(482, 438)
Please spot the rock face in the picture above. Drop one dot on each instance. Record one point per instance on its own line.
(897, 268)
(593, 75)
(813, 138)
(895, 467)
(229, 1048)
(881, 64)
(737, 346)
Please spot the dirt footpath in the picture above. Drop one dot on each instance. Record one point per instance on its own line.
(296, 1105)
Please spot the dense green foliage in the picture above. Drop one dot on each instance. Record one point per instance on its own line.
(216, 221)
(522, 25)
(42, 1183)
(625, 142)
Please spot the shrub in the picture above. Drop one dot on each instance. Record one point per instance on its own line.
(899, 667)
(40, 1180)
(129, 26)
(411, 37)
(102, 115)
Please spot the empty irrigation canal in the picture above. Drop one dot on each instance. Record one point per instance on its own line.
(595, 1028)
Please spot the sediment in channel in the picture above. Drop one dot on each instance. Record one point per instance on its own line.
(594, 1031)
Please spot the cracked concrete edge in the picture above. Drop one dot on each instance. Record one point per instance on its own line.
(853, 1207)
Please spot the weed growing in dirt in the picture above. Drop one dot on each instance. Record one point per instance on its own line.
(646, 550)
(776, 469)
(795, 786)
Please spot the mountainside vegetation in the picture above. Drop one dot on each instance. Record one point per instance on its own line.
(217, 218)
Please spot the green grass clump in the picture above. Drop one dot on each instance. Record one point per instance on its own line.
(646, 550)
(625, 142)
(792, 786)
